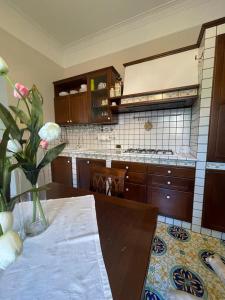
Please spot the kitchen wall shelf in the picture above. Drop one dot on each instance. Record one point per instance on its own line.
(180, 97)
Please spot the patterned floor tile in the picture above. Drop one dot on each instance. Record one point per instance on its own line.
(178, 262)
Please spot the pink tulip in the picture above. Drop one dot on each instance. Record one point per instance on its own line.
(23, 91)
(44, 144)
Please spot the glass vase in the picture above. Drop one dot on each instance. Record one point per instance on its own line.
(34, 203)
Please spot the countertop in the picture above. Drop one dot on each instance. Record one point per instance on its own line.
(108, 154)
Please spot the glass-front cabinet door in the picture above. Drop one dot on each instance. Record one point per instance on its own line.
(99, 86)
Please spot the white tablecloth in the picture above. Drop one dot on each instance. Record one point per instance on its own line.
(65, 262)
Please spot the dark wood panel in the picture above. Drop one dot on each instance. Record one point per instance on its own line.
(136, 192)
(171, 203)
(134, 177)
(130, 166)
(62, 110)
(174, 171)
(62, 170)
(174, 183)
(216, 143)
(214, 200)
(84, 166)
(126, 230)
(79, 112)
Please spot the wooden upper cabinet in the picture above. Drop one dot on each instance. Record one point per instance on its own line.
(216, 144)
(214, 202)
(62, 110)
(86, 107)
(79, 108)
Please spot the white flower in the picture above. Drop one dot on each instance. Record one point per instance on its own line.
(4, 69)
(14, 146)
(6, 220)
(49, 132)
(10, 247)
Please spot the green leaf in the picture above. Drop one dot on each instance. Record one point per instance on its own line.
(9, 121)
(21, 115)
(51, 155)
(36, 110)
(3, 159)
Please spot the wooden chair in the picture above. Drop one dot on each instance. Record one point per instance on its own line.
(108, 181)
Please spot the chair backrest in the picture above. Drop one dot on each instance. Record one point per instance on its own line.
(108, 181)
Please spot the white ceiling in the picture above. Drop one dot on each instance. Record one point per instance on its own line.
(68, 21)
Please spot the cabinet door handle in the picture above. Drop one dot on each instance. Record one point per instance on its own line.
(70, 121)
(169, 171)
(67, 121)
(168, 182)
(168, 197)
(127, 177)
(108, 118)
(127, 167)
(126, 189)
(88, 162)
(68, 161)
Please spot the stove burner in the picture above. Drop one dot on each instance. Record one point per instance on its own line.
(149, 151)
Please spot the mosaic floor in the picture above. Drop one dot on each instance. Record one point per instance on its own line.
(178, 262)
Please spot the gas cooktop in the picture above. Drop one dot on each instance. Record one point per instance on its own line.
(149, 151)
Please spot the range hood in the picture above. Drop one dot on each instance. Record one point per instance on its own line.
(172, 71)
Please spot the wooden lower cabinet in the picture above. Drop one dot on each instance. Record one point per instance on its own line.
(135, 187)
(171, 189)
(136, 192)
(214, 201)
(62, 170)
(84, 171)
(171, 203)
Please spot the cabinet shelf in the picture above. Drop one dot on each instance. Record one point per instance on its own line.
(166, 99)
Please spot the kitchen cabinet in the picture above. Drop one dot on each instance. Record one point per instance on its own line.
(99, 96)
(84, 166)
(171, 189)
(72, 109)
(62, 170)
(86, 107)
(214, 205)
(216, 142)
(135, 187)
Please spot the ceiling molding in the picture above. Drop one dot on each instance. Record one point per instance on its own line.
(169, 19)
(172, 17)
(21, 26)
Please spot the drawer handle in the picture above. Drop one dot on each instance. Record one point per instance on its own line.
(88, 162)
(126, 189)
(168, 182)
(127, 177)
(127, 167)
(169, 171)
(168, 197)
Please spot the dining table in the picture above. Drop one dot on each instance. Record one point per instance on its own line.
(126, 231)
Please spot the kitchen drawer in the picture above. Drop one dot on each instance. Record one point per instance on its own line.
(130, 166)
(175, 204)
(134, 177)
(174, 183)
(185, 172)
(135, 192)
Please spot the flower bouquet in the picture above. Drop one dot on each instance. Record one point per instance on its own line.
(27, 140)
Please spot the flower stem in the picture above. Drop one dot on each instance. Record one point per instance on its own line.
(34, 199)
(43, 218)
(1, 231)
